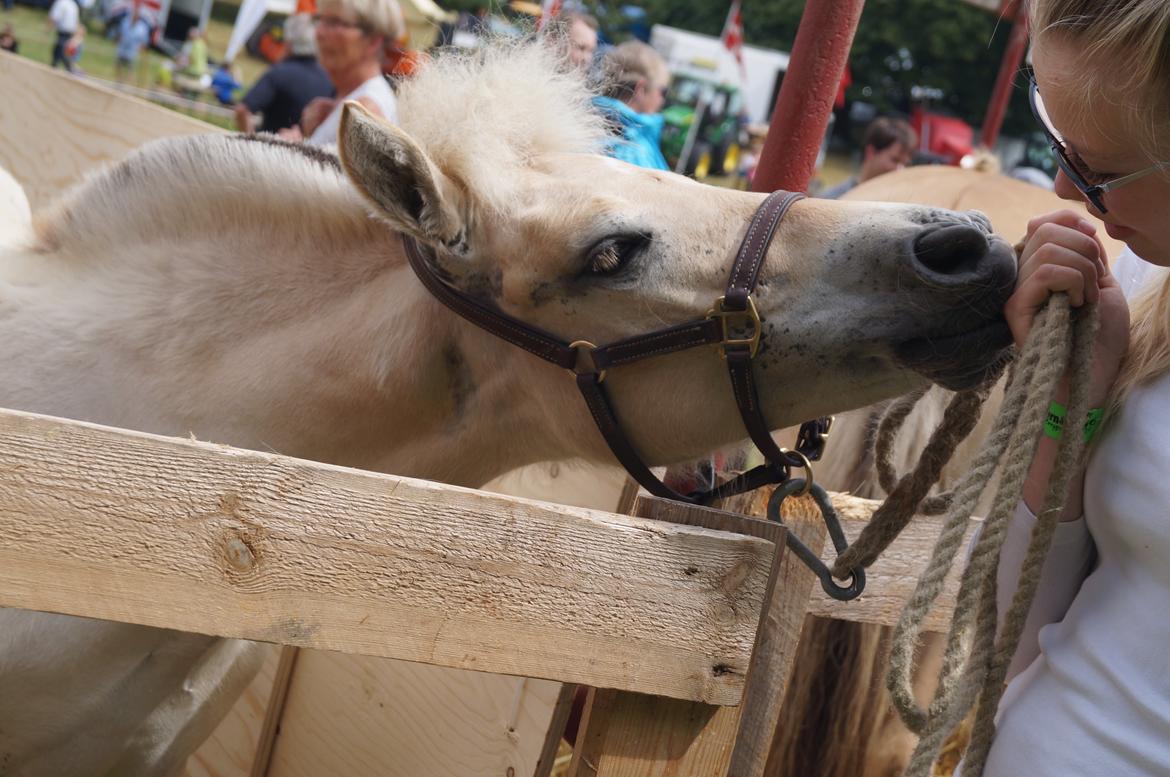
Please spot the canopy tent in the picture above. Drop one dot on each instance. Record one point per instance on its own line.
(422, 20)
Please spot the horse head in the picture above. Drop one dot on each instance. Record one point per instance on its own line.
(858, 301)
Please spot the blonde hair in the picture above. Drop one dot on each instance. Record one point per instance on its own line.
(1130, 42)
(628, 63)
(376, 17)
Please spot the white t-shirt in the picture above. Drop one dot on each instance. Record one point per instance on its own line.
(376, 89)
(1094, 696)
(64, 15)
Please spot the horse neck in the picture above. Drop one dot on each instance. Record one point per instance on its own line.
(390, 380)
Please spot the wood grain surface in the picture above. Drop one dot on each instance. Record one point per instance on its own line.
(168, 532)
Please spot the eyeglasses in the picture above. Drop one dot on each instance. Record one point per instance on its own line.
(333, 23)
(1073, 166)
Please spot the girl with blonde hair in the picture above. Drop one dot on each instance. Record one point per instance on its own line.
(1090, 684)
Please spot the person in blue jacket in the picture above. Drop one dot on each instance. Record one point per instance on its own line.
(636, 80)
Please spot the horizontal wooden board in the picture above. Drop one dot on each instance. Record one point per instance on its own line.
(56, 127)
(176, 533)
(891, 580)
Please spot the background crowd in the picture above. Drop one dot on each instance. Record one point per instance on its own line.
(357, 50)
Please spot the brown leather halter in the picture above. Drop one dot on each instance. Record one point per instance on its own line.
(733, 324)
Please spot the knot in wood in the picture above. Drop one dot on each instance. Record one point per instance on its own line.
(238, 553)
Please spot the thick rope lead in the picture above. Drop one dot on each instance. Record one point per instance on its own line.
(971, 637)
(902, 502)
(887, 431)
(1068, 461)
(975, 662)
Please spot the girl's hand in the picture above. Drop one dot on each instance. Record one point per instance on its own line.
(1061, 252)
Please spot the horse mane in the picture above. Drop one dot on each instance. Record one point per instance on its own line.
(479, 115)
(193, 188)
(482, 114)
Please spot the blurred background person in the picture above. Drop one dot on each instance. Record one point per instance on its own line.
(888, 145)
(8, 41)
(64, 18)
(74, 48)
(633, 92)
(133, 35)
(224, 83)
(283, 92)
(351, 35)
(577, 33)
(193, 58)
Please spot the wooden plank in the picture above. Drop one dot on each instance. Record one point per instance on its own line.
(230, 750)
(778, 637)
(56, 127)
(891, 580)
(181, 534)
(571, 483)
(634, 735)
(555, 730)
(592, 734)
(275, 711)
(649, 736)
(354, 716)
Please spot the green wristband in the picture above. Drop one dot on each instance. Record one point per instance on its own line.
(1054, 421)
(1092, 423)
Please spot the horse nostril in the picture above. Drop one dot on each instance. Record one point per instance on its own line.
(953, 250)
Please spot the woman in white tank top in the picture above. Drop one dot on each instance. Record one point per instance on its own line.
(351, 36)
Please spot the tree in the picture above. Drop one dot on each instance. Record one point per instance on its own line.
(943, 45)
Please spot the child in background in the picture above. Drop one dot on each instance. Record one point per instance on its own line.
(224, 82)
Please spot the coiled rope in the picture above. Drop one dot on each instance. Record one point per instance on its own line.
(975, 661)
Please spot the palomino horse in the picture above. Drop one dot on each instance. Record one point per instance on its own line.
(837, 719)
(254, 294)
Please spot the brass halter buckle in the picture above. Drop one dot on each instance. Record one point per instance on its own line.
(740, 327)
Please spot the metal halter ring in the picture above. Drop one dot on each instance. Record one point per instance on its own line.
(804, 464)
(584, 350)
(841, 592)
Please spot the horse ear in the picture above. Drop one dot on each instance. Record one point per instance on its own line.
(398, 177)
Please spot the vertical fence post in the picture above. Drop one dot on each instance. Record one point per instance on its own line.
(1013, 55)
(806, 97)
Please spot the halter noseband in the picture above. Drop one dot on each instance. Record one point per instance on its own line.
(733, 324)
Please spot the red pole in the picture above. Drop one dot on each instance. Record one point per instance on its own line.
(1013, 55)
(806, 97)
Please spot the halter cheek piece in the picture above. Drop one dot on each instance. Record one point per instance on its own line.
(733, 324)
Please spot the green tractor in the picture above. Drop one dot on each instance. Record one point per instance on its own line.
(712, 147)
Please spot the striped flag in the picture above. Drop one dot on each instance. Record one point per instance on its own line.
(732, 36)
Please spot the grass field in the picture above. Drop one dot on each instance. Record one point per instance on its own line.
(97, 59)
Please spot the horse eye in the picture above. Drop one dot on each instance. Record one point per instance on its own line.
(612, 254)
